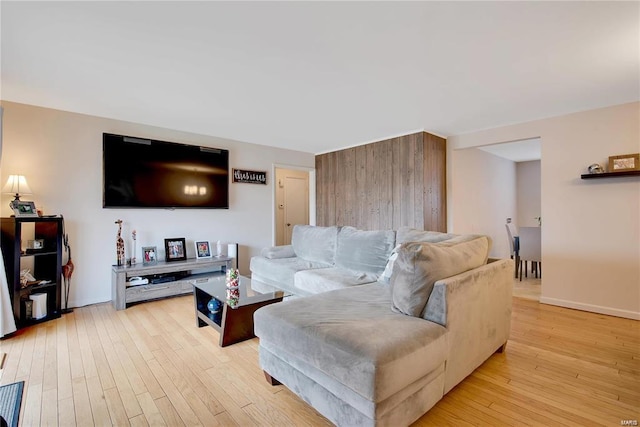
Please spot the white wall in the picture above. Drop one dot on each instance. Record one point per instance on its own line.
(528, 193)
(61, 155)
(591, 228)
(487, 184)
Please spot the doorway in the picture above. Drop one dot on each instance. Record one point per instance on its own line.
(291, 202)
(500, 181)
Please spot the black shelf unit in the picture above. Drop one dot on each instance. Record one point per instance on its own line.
(609, 174)
(44, 263)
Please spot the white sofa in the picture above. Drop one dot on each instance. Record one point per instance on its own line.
(385, 353)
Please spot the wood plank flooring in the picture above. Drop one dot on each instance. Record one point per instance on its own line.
(150, 365)
(529, 288)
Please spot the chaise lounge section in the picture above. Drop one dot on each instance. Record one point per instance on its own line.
(384, 353)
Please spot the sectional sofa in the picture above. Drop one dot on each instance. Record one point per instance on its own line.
(320, 259)
(386, 322)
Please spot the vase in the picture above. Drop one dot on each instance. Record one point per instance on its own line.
(233, 288)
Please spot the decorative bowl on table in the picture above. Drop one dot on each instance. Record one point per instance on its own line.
(214, 306)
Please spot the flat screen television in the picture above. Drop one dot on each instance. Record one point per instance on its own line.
(145, 173)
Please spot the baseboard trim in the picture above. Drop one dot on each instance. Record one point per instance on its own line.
(78, 304)
(592, 308)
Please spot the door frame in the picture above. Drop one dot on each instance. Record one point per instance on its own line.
(312, 194)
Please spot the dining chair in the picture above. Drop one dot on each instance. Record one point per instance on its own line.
(530, 250)
(514, 244)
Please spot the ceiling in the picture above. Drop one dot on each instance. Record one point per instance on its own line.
(320, 76)
(518, 151)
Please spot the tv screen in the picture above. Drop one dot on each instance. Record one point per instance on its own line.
(145, 173)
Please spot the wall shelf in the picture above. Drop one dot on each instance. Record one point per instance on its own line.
(609, 174)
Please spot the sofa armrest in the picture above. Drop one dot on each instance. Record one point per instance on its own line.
(275, 252)
(475, 307)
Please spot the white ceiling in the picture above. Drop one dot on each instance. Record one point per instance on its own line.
(518, 151)
(319, 76)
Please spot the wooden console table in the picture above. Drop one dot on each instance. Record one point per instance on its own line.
(165, 279)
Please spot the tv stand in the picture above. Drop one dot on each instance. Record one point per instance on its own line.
(166, 279)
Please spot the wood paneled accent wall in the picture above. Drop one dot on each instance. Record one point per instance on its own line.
(384, 185)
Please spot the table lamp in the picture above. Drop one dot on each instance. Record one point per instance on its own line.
(16, 185)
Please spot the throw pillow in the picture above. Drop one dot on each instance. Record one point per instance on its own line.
(409, 234)
(385, 277)
(419, 265)
(276, 252)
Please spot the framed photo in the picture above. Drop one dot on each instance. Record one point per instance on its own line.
(203, 249)
(624, 162)
(175, 249)
(149, 255)
(35, 244)
(24, 209)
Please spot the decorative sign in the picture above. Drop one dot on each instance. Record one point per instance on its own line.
(249, 177)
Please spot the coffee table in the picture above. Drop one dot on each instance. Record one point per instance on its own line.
(234, 324)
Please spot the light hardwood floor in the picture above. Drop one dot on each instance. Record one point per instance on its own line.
(150, 365)
(529, 288)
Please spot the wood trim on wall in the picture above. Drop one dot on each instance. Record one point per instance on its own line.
(384, 185)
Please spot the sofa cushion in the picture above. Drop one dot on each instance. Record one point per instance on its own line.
(282, 270)
(420, 265)
(364, 346)
(316, 244)
(328, 279)
(366, 251)
(340, 404)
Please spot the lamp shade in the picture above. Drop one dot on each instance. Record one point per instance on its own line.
(16, 184)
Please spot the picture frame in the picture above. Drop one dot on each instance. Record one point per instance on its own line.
(24, 209)
(203, 249)
(149, 255)
(624, 162)
(35, 245)
(175, 249)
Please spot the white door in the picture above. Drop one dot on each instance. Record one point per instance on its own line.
(292, 207)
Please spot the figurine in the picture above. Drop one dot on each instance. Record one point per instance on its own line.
(133, 254)
(119, 244)
(67, 271)
(595, 168)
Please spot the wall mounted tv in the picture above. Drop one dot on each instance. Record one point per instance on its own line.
(144, 173)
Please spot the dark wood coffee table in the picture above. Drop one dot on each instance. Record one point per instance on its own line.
(234, 324)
